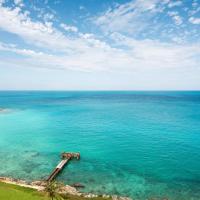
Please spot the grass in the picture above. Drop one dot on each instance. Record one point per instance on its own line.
(15, 192)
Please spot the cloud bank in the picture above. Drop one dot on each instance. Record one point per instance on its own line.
(117, 47)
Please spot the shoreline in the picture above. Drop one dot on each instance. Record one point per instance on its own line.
(66, 189)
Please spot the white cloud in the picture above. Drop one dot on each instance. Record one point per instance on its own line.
(42, 34)
(2, 2)
(19, 3)
(150, 53)
(130, 55)
(48, 17)
(17, 22)
(81, 7)
(38, 33)
(130, 17)
(175, 17)
(194, 20)
(24, 52)
(172, 13)
(140, 18)
(87, 36)
(83, 51)
(175, 3)
(178, 20)
(69, 28)
(149, 19)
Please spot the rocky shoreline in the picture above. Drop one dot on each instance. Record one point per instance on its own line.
(66, 189)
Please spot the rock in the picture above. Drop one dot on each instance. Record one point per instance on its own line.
(90, 195)
(115, 197)
(125, 198)
(21, 182)
(69, 190)
(38, 183)
(106, 196)
(78, 185)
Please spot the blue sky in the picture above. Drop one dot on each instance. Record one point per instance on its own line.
(100, 45)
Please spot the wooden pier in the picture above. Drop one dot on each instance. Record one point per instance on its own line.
(66, 157)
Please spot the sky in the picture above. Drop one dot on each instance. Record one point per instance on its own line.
(99, 44)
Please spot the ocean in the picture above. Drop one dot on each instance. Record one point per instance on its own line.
(138, 144)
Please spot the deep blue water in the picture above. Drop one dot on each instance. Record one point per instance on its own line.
(137, 144)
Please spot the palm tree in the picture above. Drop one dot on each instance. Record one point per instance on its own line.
(52, 189)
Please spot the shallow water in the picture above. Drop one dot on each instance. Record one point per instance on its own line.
(140, 144)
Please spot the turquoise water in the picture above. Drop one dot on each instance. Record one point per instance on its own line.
(137, 144)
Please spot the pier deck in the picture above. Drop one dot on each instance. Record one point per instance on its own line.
(66, 157)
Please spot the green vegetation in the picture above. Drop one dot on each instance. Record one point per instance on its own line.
(14, 192)
(52, 188)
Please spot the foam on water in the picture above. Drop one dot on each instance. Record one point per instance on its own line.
(140, 144)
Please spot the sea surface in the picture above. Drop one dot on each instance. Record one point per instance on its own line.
(139, 144)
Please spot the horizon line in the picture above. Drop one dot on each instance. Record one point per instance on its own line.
(103, 90)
